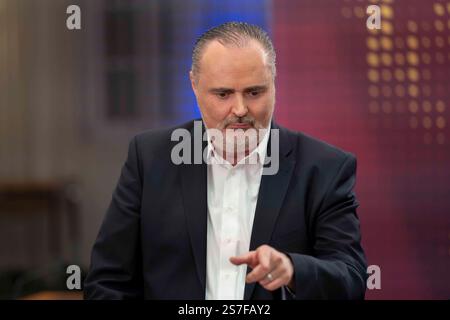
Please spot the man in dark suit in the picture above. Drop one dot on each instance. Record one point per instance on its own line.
(222, 228)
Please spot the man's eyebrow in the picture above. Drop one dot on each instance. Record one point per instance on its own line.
(229, 90)
(221, 90)
(256, 88)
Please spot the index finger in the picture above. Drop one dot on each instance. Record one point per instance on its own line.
(248, 258)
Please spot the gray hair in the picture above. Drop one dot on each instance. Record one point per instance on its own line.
(235, 33)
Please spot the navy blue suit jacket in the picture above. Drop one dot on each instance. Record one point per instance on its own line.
(152, 243)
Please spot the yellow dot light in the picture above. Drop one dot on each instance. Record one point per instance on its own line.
(426, 58)
(387, 27)
(413, 75)
(426, 90)
(359, 12)
(413, 90)
(386, 59)
(399, 58)
(386, 43)
(387, 91)
(399, 90)
(372, 43)
(412, 26)
(346, 12)
(412, 58)
(439, 41)
(373, 91)
(439, 25)
(387, 12)
(399, 75)
(440, 106)
(373, 59)
(412, 42)
(426, 105)
(386, 74)
(413, 106)
(439, 9)
(426, 42)
(427, 122)
(440, 122)
(373, 75)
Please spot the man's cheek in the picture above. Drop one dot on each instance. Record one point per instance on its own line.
(221, 112)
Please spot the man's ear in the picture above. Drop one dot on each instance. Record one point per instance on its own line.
(193, 82)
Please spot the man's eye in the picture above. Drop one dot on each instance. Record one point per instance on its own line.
(254, 93)
(222, 95)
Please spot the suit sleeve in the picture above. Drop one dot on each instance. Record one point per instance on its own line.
(337, 269)
(115, 271)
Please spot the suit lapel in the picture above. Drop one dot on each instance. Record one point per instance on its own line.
(272, 191)
(193, 186)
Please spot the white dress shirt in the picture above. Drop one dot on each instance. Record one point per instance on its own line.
(232, 195)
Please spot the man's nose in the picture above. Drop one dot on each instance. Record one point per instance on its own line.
(239, 108)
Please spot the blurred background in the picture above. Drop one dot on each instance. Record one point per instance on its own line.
(70, 100)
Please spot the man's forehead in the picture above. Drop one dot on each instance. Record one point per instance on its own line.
(217, 55)
(234, 67)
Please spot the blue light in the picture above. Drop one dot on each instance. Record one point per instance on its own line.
(214, 13)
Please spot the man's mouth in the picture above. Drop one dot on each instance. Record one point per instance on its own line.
(239, 126)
